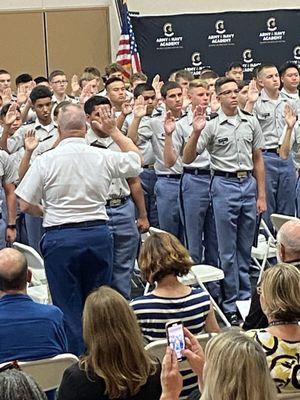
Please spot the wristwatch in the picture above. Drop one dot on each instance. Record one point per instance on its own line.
(12, 226)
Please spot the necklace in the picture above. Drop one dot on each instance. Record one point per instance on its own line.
(280, 322)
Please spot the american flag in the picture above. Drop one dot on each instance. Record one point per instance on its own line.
(127, 54)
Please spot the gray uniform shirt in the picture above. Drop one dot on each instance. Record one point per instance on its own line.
(270, 115)
(119, 186)
(8, 172)
(231, 144)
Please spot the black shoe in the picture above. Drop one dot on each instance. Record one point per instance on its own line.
(232, 318)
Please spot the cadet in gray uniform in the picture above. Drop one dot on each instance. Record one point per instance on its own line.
(280, 174)
(234, 140)
(195, 184)
(119, 206)
(47, 134)
(290, 78)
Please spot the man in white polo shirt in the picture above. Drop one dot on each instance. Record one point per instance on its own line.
(72, 181)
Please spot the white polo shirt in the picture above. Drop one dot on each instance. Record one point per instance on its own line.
(73, 180)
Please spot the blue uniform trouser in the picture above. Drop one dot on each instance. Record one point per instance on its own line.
(280, 186)
(77, 260)
(148, 180)
(34, 231)
(167, 198)
(234, 203)
(2, 233)
(125, 245)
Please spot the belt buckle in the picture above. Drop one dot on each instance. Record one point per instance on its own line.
(115, 202)
(241, 174)
(196, 171)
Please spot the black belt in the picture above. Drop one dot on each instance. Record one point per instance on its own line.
(148, 166)
(84, 224)
(116, 202)
(238, 174)
(274, 150)
(173, 176)
(196, 171)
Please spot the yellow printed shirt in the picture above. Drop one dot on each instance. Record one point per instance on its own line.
(283, 358)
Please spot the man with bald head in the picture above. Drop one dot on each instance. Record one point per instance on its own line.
(29, 330)
(72, 183)
(288, 251)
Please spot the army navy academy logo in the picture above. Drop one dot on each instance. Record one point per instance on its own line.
(272, 34)
(221, 37)
(197, 63)
(296, 53)
(248, 60)
(169, 40)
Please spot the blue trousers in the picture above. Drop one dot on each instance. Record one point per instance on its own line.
(77, 260)
(35, 231)
(125, 245)
(148, 180)
(280, 186)
(234, 203)
(167, 198)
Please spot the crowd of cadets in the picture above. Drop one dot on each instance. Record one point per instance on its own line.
(217, 151)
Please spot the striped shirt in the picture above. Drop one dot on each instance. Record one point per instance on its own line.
(153, 312)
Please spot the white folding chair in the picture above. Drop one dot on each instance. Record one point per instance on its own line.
(49, 371)
(289, 396)
(279, 219)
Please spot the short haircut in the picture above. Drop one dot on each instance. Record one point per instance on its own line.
(281, 292)
(161, 255)
(5, 108)
(87, 76)
(16, 280)
(59, 106)
(184, 74)
(233, 65)
(112, 80)
(222, 81)
(169, 86)
(114, 67)
(40, 79)
(3, 71)
(196, 83)
(287, 65)
(71, 118)
(40, 92)
(138, 76)
(92, 70)
(242, 84)
(55, 73)
(15, 384)
(261, 67)
(142, 87)
(23, 78)
(94, 101)
(209, 75)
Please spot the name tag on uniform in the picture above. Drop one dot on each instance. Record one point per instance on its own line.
(223, 140)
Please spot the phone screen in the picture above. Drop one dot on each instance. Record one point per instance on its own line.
(176, 338)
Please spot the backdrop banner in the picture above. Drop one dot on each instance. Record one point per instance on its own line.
(198, 41)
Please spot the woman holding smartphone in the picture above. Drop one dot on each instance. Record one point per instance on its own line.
(162, 260)
(115, 366)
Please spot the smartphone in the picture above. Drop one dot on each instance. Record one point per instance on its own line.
(175, 337)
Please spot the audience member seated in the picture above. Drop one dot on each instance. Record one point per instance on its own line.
(233, 368)
(288, 251)
(162, 260)
(280, 301)
(16, 385)
(29, 330)
(116, 366)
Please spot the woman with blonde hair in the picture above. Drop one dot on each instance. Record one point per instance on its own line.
(234, 367)
(280, 301)
(162, 260)
(116, 366)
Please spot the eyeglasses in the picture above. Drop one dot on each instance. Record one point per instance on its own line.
(60, 82)
(229, 92)
(11, 365)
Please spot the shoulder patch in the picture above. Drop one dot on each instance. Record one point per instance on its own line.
(246, 112)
